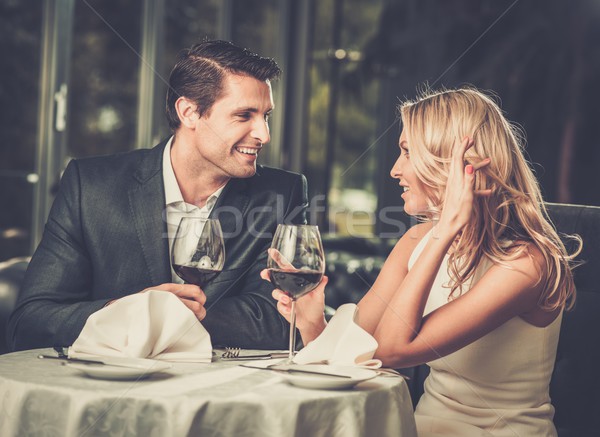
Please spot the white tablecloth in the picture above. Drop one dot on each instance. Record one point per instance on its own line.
(45, 398)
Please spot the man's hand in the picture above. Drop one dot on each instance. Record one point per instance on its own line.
(191, 295)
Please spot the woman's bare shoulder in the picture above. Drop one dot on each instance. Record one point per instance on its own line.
(411, 238)
(528, 257)
(532, 262)
(416, 233)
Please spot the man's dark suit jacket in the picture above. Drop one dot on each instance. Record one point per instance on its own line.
(106, 238)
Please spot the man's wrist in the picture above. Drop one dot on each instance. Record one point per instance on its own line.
(313, 331)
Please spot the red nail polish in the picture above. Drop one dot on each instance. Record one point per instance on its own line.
(469, 169)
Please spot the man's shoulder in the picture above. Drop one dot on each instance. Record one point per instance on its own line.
(121, 159)
(125, 163)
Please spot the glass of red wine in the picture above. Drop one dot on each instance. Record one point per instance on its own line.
(198, 252)
(296, 265)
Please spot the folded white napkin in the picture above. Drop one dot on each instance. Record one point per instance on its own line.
(154, 324)
(342, 343)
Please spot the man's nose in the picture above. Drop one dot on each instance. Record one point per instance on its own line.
(260, 131)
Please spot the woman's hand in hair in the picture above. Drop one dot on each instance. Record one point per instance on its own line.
(460, 189)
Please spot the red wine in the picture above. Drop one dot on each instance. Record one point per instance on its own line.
(295, 283)
(194, 275)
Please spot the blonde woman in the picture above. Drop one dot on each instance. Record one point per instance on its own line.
(478, 288)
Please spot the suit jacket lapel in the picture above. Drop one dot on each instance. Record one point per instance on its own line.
(231, 207)
(147, 200)
(229, 210)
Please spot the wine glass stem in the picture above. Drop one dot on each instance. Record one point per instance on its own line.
(292, 332)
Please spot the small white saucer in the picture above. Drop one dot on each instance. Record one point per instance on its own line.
(134, 369)
(354, 375)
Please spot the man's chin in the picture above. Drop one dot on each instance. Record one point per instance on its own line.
(246, 172)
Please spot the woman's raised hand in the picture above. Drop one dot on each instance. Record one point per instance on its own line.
(310, 319)
(460, 188)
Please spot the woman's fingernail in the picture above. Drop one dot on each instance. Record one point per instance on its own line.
(469, 169)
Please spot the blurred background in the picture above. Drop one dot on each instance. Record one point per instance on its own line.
(88, 77)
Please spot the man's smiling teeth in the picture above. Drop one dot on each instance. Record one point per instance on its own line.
(247, 150)
(406, 189)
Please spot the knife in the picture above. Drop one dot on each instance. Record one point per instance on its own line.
(269, 356)
(290, 368)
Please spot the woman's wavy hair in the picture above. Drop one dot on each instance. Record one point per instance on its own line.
(514, 216)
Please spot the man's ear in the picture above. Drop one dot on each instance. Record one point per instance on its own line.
(187, 112)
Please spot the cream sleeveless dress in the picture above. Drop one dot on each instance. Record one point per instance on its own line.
(496, 386)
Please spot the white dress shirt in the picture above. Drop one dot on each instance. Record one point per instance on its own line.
(176, 208)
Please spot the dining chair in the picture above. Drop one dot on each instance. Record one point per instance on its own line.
(12, 273)
(575, 386)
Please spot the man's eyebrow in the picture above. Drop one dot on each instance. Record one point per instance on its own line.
(250, 109)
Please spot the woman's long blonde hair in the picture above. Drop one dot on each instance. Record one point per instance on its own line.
(514, 213)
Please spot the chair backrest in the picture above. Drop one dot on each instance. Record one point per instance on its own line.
(11, 277)
(575, 385)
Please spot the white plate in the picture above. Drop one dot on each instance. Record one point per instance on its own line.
(134, 369)
(316, 381)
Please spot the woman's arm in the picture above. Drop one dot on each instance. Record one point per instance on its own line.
(375, 302)
(407, 338)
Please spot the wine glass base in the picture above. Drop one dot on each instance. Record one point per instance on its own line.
(289, 360)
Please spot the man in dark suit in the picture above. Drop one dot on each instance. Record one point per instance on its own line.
(109, 229)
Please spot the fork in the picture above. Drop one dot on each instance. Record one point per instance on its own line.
(233, 353)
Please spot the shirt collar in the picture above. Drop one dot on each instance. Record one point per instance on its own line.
(172, 191)
(173, 194)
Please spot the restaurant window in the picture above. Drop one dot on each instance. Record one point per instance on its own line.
(104, 77)
(20, 46)
(254, 25)
(341, 164)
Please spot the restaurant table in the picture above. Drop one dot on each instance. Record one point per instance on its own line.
(45, 398)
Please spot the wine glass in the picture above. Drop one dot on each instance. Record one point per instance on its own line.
(296, 265)
(198, 252)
